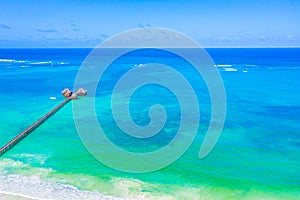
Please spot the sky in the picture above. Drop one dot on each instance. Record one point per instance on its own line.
(232, 23)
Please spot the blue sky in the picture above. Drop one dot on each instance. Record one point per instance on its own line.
(233, 23)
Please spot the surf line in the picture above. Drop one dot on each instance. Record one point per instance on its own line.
(20, 195)
(67, 93)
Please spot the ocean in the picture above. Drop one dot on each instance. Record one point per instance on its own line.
(256, 156)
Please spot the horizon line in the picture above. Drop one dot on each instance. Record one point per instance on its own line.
(205, 47)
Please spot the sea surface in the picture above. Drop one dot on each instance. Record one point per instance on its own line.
(256, 157)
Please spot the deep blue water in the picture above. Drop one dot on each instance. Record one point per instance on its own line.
(257, 154)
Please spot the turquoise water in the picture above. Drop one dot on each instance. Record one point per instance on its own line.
(257, 155)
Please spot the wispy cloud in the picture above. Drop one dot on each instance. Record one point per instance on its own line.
(291, 37)
(140, 25)
(104, 35)
(144, 25)
(263, 38)
(229, 38)
(46, 30)
(74, 27)
(4, 26)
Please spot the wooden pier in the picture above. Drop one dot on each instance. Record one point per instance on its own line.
(36, 124)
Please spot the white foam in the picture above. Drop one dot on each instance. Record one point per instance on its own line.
(35, 188)
(63, 63)
(245, 71)
(32, 186)
(39, 183)
(6, 60)
(14, 61)
(53, 98)
(32, 62)
(227, 65)
(136, 189)
(229, 69)
(41, 63)
(139, 65)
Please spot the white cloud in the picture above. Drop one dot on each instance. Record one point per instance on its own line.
(291, 37)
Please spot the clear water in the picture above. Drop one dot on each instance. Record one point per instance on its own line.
(257, 155)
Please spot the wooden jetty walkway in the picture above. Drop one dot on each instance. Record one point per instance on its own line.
(36, 124)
